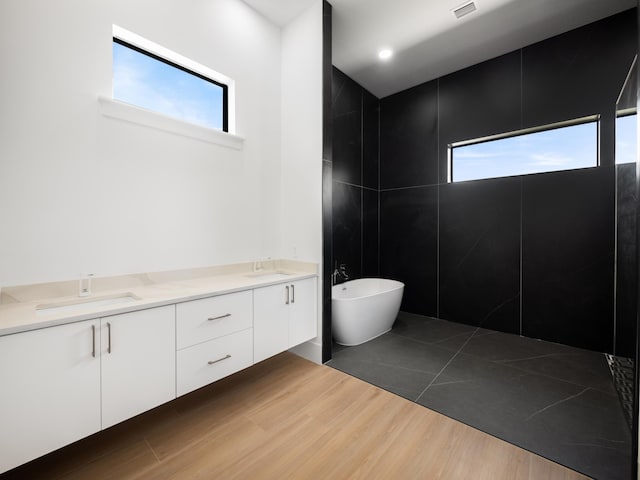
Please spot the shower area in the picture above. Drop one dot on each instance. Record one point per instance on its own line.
(519, 315)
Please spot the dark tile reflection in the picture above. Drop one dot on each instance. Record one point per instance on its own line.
(347, 227)
(480, 253)
(409, 240)
(567, 257)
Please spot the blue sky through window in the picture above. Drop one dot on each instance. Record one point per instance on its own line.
(626, 139)
(563, 148)
(143, 81)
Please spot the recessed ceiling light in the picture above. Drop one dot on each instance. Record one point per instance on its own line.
(385, 54)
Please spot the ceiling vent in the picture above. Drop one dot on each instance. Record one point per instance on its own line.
(464, 9)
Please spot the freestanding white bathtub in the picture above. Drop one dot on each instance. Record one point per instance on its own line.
(364, 309)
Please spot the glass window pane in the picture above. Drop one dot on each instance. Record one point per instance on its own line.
(626, 139)
(150, 83)
(563, 148)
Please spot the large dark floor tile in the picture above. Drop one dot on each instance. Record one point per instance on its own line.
(586, 432)
(492, 397)
(448, 335)
(396, 351)
(570, 364)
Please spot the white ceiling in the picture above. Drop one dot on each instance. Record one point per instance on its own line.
(427, 39)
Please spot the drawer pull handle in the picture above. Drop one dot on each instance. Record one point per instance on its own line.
(212, 362)
(93, 335)
(109, 337)
(218, 318)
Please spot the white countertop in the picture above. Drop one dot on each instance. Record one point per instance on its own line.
(21, 307)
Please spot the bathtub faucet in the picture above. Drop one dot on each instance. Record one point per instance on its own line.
(340, 273)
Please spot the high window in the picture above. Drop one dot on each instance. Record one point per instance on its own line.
(626, 137)
(562, 146)
(153, 82)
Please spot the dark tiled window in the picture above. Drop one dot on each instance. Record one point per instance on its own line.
(564, 146)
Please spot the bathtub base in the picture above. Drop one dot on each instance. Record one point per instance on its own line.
(364, 341)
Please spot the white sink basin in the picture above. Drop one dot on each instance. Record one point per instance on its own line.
(85, 303)
(269, 275)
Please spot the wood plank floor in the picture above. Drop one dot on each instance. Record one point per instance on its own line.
(287, 418)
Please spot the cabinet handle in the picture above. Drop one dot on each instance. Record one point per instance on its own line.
(211, 362)
(109, 337)
(293, 294)
(287, 302)
(218, 318)
(93, 341)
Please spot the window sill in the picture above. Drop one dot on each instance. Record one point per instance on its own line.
(124, 111)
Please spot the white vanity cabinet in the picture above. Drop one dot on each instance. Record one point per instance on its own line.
(50, 394)
(63, 383)
(303, 312)
(138, 362)
(284, 316)
(214, 339)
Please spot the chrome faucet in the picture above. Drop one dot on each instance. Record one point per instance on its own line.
(338, 273)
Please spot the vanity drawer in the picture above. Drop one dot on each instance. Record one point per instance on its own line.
(207, 362)
(201, 320)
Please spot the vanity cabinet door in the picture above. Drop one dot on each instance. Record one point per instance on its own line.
(138, 362)
(303, 312)
(50, 390)
(284, 315)
(270, 321)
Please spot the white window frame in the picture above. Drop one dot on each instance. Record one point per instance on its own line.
(124, 111)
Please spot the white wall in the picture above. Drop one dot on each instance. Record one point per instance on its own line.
(80, 192)
(302, 147)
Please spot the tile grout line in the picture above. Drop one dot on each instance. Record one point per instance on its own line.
(521, 250)
(362, 183)
(446, 365)
(378, 190)
(438, 201)
(555, 404)
(615, 261)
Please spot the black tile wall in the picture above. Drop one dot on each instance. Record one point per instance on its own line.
(327, 75)
(409, 137)
(370, 143)
(559, 286)
(355, 177)
(347, 129)
(532, 255)
(568, 229)
(370, 250)
(327, 256)
(562, 72)
(327, 155)
(480, 253)
(626, 282)
(577, 73)
(479, 101)
(409, 240)
(347, 227)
